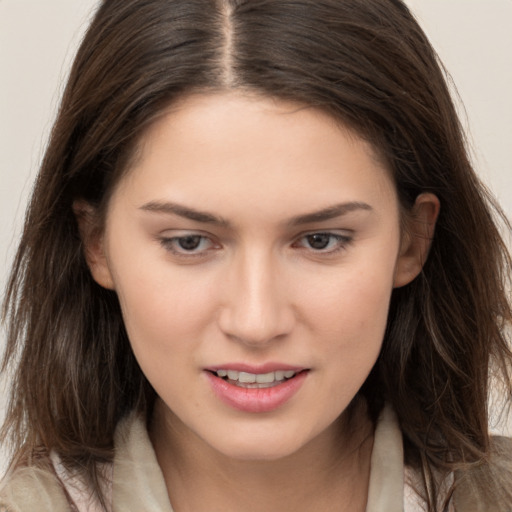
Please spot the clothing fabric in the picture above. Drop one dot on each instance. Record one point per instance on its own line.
(135, 482)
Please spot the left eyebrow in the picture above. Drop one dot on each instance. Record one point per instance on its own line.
(331, 212)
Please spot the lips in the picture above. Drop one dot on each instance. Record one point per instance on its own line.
(256, 390)
(255, 380)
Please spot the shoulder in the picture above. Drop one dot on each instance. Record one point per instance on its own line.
(28, 488)
(487, 487)
(502, 450)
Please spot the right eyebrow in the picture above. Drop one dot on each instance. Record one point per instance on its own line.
(185, 212)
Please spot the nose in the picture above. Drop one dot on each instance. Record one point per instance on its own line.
(257, 308)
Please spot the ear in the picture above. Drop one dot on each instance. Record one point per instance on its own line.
(416, 239)
(93, 243)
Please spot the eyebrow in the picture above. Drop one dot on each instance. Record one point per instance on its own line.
(185, 212)
(331, 212)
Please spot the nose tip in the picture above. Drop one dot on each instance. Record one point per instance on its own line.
(254, 326)
(257, 309)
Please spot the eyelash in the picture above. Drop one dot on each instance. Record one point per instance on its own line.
(341, 242)
(170, 244)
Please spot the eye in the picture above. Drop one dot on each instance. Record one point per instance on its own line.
(323, 242)
(187, 245)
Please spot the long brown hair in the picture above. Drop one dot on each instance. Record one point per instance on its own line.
(366, 63)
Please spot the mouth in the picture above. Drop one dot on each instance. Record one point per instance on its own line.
(256, 380)
(256, 389)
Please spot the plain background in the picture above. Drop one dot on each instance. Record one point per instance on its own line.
(38, 40)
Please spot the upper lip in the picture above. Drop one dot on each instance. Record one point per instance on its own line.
(256, 369)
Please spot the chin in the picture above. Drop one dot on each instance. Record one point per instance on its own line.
(258, 452)
(264, 444)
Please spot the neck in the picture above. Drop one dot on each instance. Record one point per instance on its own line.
(330, 473)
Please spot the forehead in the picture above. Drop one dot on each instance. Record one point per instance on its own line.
(217, 147)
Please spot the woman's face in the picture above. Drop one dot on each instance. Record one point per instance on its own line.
(254, 246)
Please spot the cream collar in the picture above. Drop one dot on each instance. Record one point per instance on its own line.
(138, 483)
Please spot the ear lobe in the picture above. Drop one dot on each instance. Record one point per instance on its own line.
(417, 239)
(93, 243)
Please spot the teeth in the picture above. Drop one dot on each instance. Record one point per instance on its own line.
(265, 378)
(232, 375)
(246, 378)
(260, 378)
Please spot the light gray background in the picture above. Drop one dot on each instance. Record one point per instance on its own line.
(38, 39)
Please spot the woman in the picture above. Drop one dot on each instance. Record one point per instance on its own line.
(257, 271)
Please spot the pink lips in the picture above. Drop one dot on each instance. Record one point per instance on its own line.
(256, 400)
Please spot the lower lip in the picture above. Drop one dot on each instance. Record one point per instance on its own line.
(256, 399)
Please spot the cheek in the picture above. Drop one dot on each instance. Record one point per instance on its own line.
(165, 325)
(349, 313)
(350, 334)
(164, 309)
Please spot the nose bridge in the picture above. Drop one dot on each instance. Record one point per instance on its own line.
(257, 309)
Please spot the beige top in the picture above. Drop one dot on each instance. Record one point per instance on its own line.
(137, 483)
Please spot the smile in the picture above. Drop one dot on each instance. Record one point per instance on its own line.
(255, 380)
(259, 392)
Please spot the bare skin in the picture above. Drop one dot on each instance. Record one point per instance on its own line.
(255, 236)
(315, 478)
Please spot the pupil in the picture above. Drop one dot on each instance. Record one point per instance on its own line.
(190, 243)
(319, 241)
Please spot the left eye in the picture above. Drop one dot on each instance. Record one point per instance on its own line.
(323, 242)
(188, 244)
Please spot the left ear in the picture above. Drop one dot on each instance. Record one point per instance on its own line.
(416, 239)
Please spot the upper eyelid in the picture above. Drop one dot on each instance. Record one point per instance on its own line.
(335, 231)
(180, 233)
(164, 238)
(183, 233)
(173, 234)
(344, 233)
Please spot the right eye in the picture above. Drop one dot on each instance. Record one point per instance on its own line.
(188, 245)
